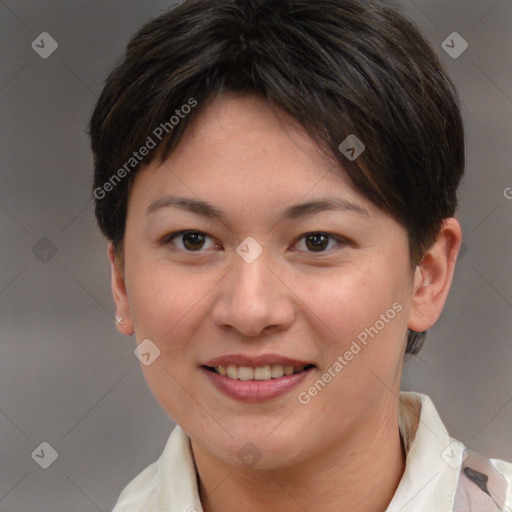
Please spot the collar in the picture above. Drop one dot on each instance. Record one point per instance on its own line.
(433, 460)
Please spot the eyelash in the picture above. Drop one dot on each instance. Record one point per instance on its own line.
(342, 241)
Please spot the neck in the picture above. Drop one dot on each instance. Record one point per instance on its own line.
(361, 472)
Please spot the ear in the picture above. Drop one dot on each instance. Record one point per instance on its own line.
(433, 277)
(119, 293)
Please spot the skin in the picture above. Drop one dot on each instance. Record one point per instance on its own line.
(342, 451)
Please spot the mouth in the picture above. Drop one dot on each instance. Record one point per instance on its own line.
(258, 373)
(257, 384)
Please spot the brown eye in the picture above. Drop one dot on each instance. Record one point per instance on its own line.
(191, 241)
(319, 241)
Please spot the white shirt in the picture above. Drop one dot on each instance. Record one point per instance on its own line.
(429, 483)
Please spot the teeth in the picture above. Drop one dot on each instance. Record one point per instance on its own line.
(262, 373)
(288, 370)
(266, 372)
(245, 373)
(232, 371)
(276, 371)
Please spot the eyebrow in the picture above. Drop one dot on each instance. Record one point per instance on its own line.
(296, 211)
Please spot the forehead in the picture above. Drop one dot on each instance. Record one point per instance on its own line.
(242, 153)
(248, 122)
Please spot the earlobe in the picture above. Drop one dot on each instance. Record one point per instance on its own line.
(433, 277)
(123, 318)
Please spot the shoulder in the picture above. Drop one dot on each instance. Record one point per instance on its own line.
(140, 492)
(483, 483)
(170, 482)
(466, 480)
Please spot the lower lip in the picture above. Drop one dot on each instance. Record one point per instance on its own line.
(255, 391)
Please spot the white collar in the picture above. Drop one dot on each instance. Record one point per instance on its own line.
(433, 458)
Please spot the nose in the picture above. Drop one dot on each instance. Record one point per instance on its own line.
(254, 298)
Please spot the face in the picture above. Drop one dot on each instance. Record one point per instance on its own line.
(326, 287)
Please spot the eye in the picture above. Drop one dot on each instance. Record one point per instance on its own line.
(190, 241)
(318, 241)
(194, 241)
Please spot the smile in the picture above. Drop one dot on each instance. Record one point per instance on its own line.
(267, 372)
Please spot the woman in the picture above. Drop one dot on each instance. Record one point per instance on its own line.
(277, 184)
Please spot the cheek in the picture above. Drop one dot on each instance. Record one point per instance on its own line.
(362, 347)
(349, 300)
(167, 307)
(363, 314)
(167, 303)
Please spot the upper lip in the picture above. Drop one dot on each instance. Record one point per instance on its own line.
(254, 361)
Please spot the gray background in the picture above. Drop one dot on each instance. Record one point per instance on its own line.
(68, 378)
